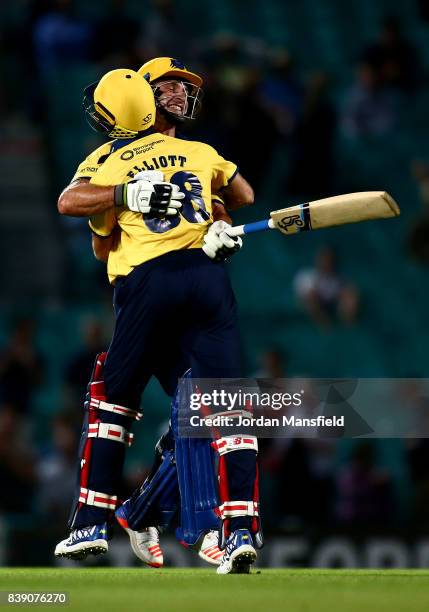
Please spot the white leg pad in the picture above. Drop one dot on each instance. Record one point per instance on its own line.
(102, 405)
(101, 500)
(238, 508)
(229, 444)
(109, 431)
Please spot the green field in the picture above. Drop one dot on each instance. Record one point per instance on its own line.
(177, 590)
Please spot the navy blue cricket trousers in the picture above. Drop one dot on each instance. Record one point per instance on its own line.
(173, 312)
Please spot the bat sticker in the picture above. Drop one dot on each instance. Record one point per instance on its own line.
(300, 222)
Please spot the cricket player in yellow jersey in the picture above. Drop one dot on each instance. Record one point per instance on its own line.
(168, 76)
(195, 169)
(145, 542)
(174, 306)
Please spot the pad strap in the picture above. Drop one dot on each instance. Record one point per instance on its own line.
(102, 405)
(109, 431)
(101, 500)
(239, 508)
(230, 444)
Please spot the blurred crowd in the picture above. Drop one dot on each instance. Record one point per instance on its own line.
(265, 96)
(267, 104)
(270, 108)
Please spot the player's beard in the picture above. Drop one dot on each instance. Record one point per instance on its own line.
(172, 118)
(163, 123)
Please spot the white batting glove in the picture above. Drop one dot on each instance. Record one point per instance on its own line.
(153, 176)
(218, 245)
(148, 193)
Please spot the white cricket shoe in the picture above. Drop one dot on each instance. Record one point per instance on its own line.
(239, 553)
(209, 550)
(145, 543)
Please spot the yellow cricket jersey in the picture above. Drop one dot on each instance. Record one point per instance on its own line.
(194, 166)
(90, 165)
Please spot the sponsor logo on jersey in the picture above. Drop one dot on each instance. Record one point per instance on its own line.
(126, 155)
(129, 153)
(146, 147)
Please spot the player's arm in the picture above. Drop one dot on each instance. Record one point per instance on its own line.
(83, 199)
(102, 246)
(226, 180)
(105, 233)
(219, 211)
(238, 193)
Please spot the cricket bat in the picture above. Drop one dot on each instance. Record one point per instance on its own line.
(328, 212)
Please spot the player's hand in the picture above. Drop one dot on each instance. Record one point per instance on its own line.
(217, 244)
(151, 195)
(157, 177)
(153, 176)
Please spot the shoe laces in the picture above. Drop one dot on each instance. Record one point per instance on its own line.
(231, 543)
(150, 534)
(83, 532)
(211, 539)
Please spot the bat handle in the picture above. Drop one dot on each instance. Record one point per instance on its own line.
(251, 228)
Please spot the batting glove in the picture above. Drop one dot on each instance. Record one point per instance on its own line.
(153, 176)
(218, 245)
(148, 193)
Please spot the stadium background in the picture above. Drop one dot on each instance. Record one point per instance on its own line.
(311, 98)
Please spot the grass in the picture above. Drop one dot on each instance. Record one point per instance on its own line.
(267, 590)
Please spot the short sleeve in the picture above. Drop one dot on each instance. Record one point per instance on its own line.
(90, 165)
(223, 171)
(217, 199)
(103, 224)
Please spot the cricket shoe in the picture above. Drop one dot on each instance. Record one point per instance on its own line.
(84, 541)
(209, 550)
(145, 543)
(239, 553)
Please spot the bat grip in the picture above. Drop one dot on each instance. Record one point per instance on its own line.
(251, 228)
